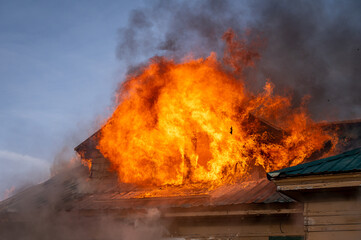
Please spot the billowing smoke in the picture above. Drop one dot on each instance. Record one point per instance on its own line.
(49, 211)
(311, 48)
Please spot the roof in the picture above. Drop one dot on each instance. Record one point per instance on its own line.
(349, 161)
(261, 191)
(73, 194)
(88, 144)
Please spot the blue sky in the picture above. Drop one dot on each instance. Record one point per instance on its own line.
(58, 73)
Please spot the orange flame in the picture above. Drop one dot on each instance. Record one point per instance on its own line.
(194, 122)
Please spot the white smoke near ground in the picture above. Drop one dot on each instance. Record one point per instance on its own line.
(64, 160)
(21, 171)
(146, 227)
(39, 209)
(49, 211)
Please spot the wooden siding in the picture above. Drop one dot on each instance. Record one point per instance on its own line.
(333, 219)
(238, 227)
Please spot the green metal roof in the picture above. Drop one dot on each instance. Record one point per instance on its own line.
(349, 161)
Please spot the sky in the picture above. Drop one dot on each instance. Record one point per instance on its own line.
(58, 73)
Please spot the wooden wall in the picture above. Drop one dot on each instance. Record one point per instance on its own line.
(238, 227)
(333, 219)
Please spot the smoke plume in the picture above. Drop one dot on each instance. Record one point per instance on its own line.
(311, 48)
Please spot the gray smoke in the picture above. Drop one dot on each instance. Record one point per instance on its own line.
(50, 211)
(311, 47)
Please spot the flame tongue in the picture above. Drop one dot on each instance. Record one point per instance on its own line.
(190, 122)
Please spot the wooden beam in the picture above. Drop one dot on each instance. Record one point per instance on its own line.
(233, 213)
(323, 177)
(322, 185)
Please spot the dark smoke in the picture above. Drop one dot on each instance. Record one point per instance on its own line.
(311, 47)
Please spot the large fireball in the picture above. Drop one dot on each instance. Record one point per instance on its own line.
(194, 122)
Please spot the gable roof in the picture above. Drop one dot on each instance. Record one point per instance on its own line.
(349, 161)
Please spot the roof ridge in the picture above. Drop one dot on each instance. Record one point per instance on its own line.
(355, 158)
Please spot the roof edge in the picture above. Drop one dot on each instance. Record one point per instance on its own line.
(301, 169)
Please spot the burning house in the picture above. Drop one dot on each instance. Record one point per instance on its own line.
(315, 200)
(191, 153)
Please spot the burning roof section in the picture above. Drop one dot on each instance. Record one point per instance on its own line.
(101, 166)
(348, 133)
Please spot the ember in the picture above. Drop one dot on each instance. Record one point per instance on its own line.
(195, 122)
